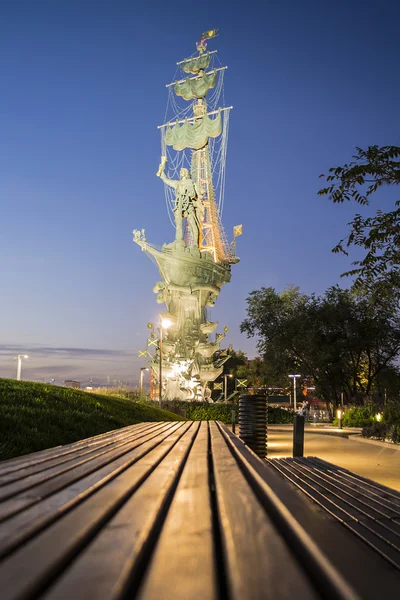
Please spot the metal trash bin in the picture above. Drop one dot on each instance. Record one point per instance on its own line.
(253, 422)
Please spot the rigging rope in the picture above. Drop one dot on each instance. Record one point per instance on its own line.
(217, 146)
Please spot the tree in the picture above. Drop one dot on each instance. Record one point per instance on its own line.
(343, 340)
(379, 235)
(256, 371)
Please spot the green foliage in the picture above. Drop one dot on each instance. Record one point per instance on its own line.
(382, 431)
(358, 416)
(204, 411)
(378, 235)
(279, 416)
(342, 340)
(35, 416)
(391, 412)
(389, 427)
(386, 428)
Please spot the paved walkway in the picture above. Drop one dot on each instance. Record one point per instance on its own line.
(325, 428)
(377, 462)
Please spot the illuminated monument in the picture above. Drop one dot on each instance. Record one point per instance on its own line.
(197, 263)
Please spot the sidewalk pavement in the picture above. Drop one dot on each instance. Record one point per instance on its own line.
(379, 461)
(373, 459)
(324, 428)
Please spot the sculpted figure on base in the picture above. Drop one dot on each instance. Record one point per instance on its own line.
(187, 203)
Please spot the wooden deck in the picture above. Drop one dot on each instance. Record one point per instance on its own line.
(177, 510)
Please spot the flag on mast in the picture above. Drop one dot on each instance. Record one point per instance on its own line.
(206, 35)
(237, 230)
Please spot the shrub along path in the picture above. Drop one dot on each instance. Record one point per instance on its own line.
(219, 411)
(36, 416)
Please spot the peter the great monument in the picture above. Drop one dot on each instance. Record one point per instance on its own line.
(197, 263)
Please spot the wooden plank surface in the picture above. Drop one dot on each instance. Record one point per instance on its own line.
(35, 465)
(185, 552)
(28, 481)
(32, 567)
(21, 526)
(42, 456)
(367, 510)
(59, 480)
(254, 550)
(184, 510)
(113, 564)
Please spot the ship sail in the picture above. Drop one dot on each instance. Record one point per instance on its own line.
(196, 64)
(196, 88)
(194, 135)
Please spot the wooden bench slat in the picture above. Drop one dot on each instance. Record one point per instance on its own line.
(371, 536)
(365, 517)
(59, 481)
(117, 556)
(184, 510)
(185, 550)
(356, 499)
(33, 566)
(254, 550)
(96, 447)
(335, 506)
(364, 492)
(10, 489)
(374, 489)
(19, 527)
(20, 462)
(315, 562)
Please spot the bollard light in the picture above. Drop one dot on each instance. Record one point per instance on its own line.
(378, 417)
(339, 416)
(164, 324)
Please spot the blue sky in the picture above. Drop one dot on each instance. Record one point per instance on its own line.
(83, 89)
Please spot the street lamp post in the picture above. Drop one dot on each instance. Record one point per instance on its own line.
(142, 369)
(164, 324)
(226, 387)
(294, 377)
(19, 364)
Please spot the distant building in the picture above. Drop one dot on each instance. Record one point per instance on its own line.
(72, 384)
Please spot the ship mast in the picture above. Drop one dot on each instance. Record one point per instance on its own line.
(213, 239)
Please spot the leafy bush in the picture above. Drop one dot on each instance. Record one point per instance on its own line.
(389, 427)
(391, 412)
(358, 416)
(36, 416)
(376, 430)
(204, 411)
(279, 416)
(382, 431)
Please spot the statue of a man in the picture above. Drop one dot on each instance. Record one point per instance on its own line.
(187, 203)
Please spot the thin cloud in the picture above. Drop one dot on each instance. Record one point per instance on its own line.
(63, 352)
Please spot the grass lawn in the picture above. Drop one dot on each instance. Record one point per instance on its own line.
(35, 416)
